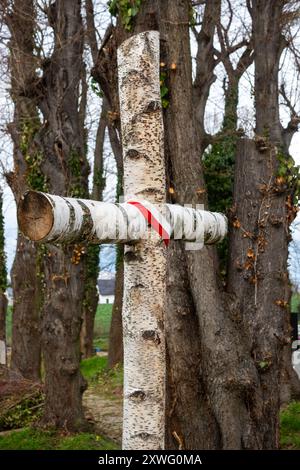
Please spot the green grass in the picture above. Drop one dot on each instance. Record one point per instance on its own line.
(9, 324)
(101, 343)
(109, 382)
(32, 439)
(102, 326)
(103, 319)
(295, 302)
(290, 426)
(101, 332)
(86, 442)
(95, 371)
(92, 367)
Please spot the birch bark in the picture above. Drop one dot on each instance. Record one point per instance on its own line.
(145, 263)
(47, 218)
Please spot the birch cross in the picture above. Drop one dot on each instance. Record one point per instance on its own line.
(145, 224)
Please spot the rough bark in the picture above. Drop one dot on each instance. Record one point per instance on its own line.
(62, 142)
(215, 389)
(90, 303)
(3, 285)
(188, 411)
(104, 71)
(116, 350)
(92, 262)
(229, 372)
(26, 348)
(145, 264)
(3, 309)
(184, 407)
(267, 24)
(219, 159)
(225, 373)
(264, 18)
(259, 279)
(261, 216)
(115, 347)
(26, 285)
(191, 411)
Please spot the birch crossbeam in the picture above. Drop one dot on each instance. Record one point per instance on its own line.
(48, 218)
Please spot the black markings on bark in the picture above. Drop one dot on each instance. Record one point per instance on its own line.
(144, 435)
(71, 216)
(131, 257)
(137, 395)
(151, 335)
(152, 106)
(149, 191)
(138, 286)
(132, 153)
(87, 224)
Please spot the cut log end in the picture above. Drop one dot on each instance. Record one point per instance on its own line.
(35, 216)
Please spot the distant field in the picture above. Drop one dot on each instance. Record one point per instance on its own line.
(295, 303)
(8, 325)
(102, 325)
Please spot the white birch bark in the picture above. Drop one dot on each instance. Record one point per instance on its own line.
(145, 262)
(47, 218)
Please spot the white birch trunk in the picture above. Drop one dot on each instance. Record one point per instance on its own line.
(47, 218)
(145, 262)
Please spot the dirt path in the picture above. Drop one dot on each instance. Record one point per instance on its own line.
(105, 412)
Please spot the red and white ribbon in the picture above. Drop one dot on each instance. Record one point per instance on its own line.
(154, 218)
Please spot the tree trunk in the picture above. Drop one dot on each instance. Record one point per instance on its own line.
(262, 211)
(222, 367)
(202, 400)
(191, 423)
(215, 386)
(3, 285)
(268, 25)
(27, 289)
(92, 262)
(259, 280)
(62, 142)
(219, 159)
(90, 303)
(103, 71)
(187, 424)
(115, 348)
(267, 29)
(3, 311)
(26, 283)
(144, 267)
